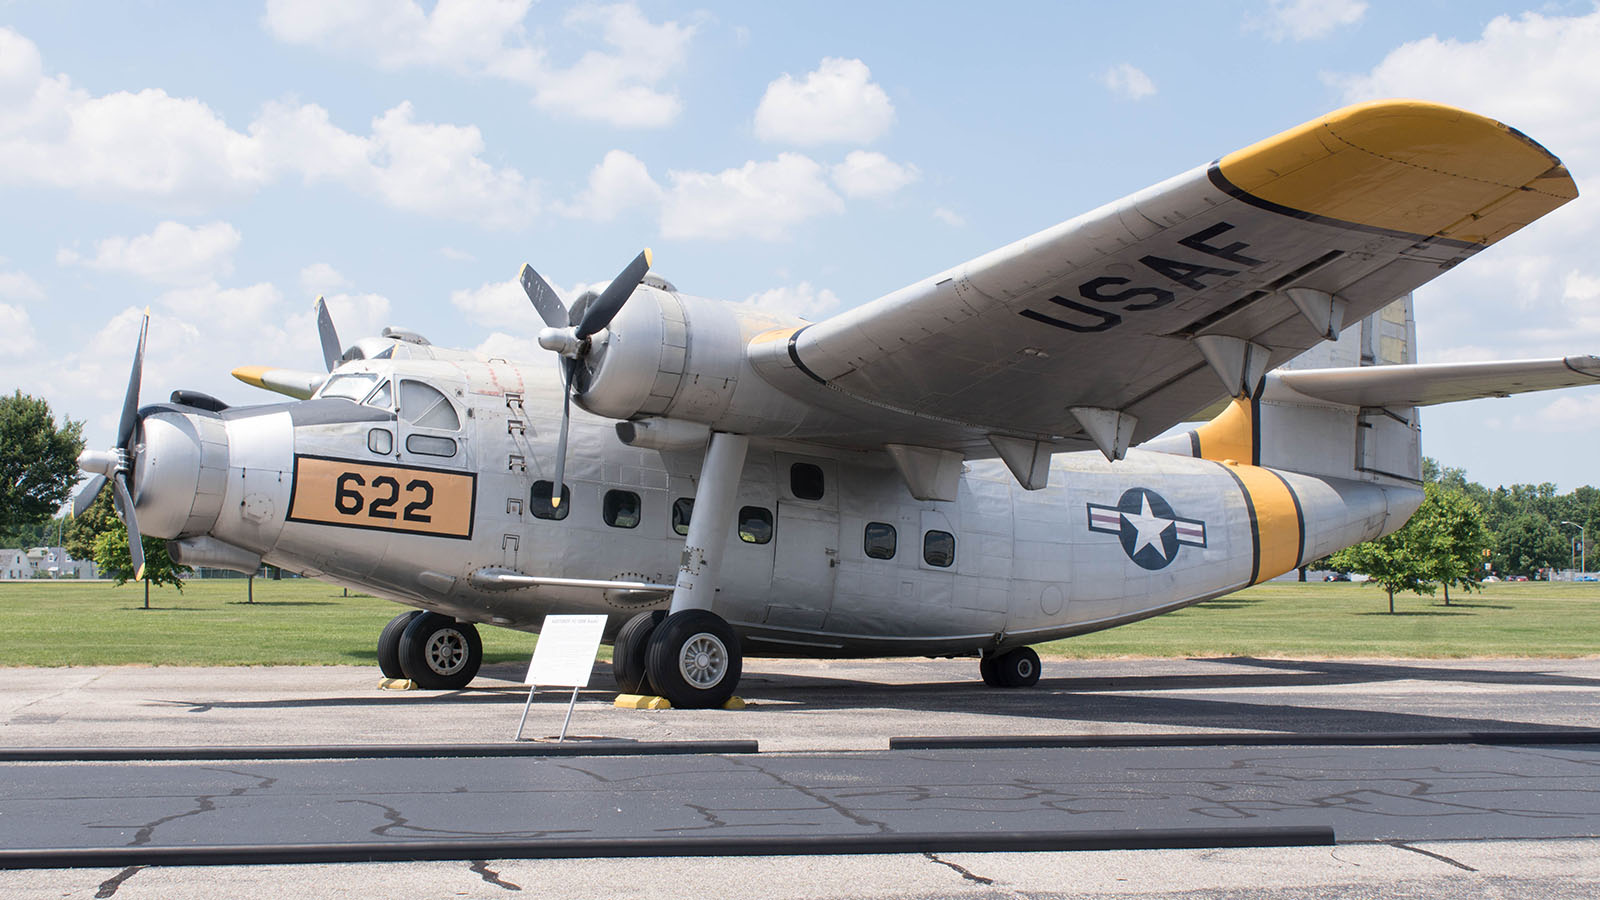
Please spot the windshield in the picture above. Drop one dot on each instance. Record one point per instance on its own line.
(350, 387)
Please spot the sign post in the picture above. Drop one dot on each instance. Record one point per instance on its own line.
(563, 657)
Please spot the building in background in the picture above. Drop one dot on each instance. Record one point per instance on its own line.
(43, 562)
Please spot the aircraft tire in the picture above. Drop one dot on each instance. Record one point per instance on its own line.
(389, 644)
(1018, 668)
(991, 676)
(694, 660)
(439, 653)
(628, 653)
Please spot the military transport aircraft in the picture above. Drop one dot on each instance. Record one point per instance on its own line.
(963, 467)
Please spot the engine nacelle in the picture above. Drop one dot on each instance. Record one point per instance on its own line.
(684, 358)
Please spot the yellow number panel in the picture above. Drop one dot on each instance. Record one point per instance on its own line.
(383, 497)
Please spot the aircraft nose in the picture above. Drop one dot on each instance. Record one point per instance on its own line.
(180, 473)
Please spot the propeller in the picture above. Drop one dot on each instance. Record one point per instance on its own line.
(332, 350)
(115, 464)
(572, 340)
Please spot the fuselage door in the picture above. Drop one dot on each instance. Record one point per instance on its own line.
(806, 559)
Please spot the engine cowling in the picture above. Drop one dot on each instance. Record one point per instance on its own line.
(680, 357)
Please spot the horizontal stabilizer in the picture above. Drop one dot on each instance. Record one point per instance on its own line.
(1433, 383)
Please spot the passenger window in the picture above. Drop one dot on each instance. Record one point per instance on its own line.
(939, 548)
(424, 405)
(682, 509)
(428, 445)
(879, 541)
(805, 481)
(621, 509)
(539, 502)
(755, 525)
(380, 441)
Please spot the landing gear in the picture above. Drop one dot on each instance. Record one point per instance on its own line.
(693, 659)
(1011, 669)
(439, 653)
(628, 652)
(389, 644)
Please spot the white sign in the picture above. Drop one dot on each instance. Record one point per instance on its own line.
(564, 656)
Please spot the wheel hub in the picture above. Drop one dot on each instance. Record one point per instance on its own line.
(704, 661)
(446, 651)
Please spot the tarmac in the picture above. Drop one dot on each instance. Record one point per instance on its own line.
(1465, 817)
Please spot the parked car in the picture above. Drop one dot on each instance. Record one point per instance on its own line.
(1336, 576)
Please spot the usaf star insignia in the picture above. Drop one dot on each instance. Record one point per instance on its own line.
(1149, 530)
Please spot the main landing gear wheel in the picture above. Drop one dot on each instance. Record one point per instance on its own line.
(693, 659)
(439, 653)
(628, 652)
(389, 644)
(1011, 669)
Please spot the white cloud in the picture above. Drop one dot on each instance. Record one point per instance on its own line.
(622, 85)
(949, 217)
(801, 300)
(17, 328)
(19, 286)
(1127, 81)
(173, 253)
(452, 253)
(837, 103)
(620, 182)
(178, 152)
(499, 304)
(866, 173)
(322, 278)
(504, 346)
(1303, 20)
(759, 199)
(1537, 74)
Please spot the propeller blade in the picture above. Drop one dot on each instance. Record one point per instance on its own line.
(332, 350)
(91, 489)
(567, 366)
(605, 307)
(135, 540)
(130, 403)
(545, 301)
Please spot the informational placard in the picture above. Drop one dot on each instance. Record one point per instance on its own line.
(564, 656)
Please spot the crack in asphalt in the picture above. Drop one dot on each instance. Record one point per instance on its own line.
(962, 870)
(840, 808)
(1439, 856)
(109, 887)
(397, 821)
(204, 803)
(481, 866)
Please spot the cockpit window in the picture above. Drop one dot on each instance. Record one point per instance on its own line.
(382, 398)
(425, 406)
(350, 387)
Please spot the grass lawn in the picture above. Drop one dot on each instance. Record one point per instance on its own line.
(301, 621)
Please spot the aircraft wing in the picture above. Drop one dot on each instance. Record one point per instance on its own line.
(1129, 319)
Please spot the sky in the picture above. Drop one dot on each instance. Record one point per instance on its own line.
(225, 163)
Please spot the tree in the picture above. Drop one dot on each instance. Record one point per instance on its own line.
(1395, 562)
(1529, 541)
(111, 555)
(1451, 527)
(38, 461)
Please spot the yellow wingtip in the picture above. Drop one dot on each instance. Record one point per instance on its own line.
(649, 259)
(555, 502)
(252, 375)
(139, 575)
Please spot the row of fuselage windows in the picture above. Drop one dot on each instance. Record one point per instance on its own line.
(621, 508)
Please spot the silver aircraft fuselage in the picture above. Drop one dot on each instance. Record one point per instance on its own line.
(338, 490)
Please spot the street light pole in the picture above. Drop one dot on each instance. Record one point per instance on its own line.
(1583, 546)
